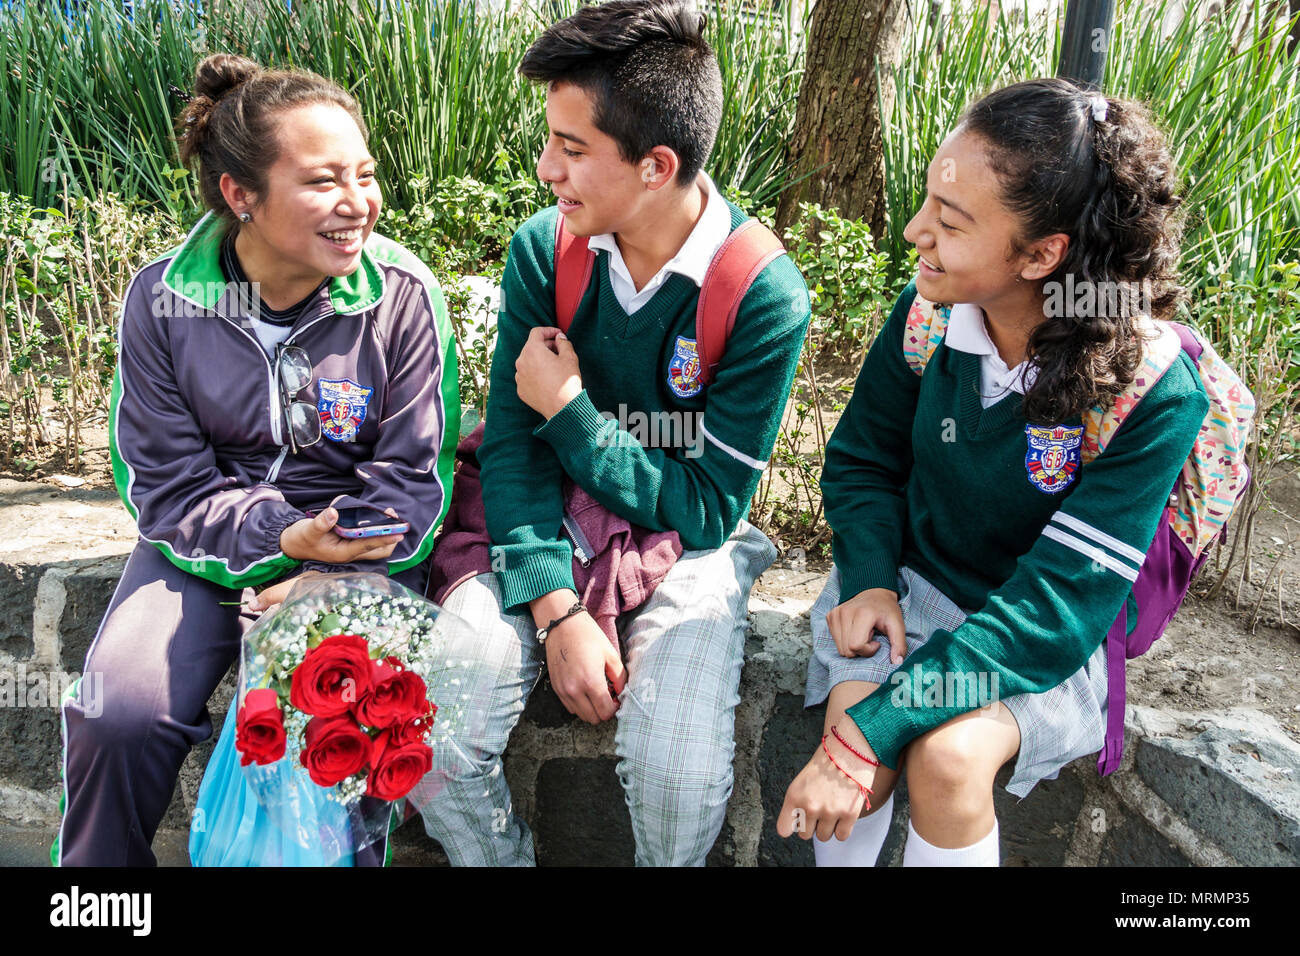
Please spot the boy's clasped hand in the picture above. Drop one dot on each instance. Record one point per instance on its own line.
(546, 373)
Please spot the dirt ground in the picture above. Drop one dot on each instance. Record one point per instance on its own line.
(1238, 647)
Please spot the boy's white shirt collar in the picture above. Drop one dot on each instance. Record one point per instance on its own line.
(692, 259)
(968, 333)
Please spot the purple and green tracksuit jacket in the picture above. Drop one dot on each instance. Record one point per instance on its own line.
(196, 424)
(200, 458)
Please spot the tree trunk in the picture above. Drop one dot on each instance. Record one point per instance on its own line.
(836, 150)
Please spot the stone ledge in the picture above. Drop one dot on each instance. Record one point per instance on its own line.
(1209, 788)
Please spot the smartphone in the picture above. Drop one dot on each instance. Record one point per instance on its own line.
(367, 523)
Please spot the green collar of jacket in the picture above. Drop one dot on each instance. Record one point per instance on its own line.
(195, 275)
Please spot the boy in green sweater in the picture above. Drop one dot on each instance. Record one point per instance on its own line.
(634, 99)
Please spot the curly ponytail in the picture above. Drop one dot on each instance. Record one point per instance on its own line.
(228, 126)
(1097, 169)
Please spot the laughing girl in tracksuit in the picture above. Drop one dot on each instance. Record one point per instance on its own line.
(284, 360)
(970, 545)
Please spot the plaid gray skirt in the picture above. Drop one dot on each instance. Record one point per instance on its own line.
(1056, 726)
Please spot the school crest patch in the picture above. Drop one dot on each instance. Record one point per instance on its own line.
(684, 369)
(1053, 457)
(342, 407)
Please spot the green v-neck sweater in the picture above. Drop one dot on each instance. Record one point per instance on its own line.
(919, 474)
(643, 438)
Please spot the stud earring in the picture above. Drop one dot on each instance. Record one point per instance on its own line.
(245, 217)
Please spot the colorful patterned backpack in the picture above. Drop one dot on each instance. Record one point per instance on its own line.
(1203, 496)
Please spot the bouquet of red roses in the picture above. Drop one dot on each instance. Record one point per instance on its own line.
(335, 717)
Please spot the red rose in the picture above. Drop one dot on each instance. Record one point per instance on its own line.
(259, 728)
(333, 676)
(334, 748)
(396, 695)
(413, 730)
(397, 768)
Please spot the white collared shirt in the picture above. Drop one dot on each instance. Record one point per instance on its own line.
(692, 259)
(968, 333)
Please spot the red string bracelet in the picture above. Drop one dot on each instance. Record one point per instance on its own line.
(852, 749)
(865, 791)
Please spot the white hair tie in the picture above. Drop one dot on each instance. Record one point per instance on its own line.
(1099, 107)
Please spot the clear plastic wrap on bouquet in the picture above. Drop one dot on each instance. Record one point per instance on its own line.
(347, 691)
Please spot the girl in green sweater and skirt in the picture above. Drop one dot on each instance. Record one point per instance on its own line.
(978, 566)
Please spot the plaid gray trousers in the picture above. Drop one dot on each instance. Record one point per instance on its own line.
(683, 649)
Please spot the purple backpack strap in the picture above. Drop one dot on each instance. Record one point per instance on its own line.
(1116, 697)
(1162, 581)
(1188, 341)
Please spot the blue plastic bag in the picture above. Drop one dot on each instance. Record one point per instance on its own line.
(274, 814)
(232, 828)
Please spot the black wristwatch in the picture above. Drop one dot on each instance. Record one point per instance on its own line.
(542, 632)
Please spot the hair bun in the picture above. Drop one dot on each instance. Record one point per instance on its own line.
(214, 77)
(220, 73)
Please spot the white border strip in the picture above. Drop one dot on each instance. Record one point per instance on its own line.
(1088, 531)
(738, 455)
(1098, 555)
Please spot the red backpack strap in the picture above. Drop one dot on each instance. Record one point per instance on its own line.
(573, 264)
(735, 266)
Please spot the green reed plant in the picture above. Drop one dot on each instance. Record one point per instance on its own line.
(27, 136)
(91, 106)
(436, 82)
(1228, 98)
(932, 85)
(761, 62)
(87, 95)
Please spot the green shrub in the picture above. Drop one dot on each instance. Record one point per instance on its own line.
(461, 225)
(847, 279)
(64, 275)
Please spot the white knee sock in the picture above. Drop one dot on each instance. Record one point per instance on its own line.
(864, 843)
(983, 852)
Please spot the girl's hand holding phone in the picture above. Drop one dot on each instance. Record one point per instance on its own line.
(855, 624)
(314, 539)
